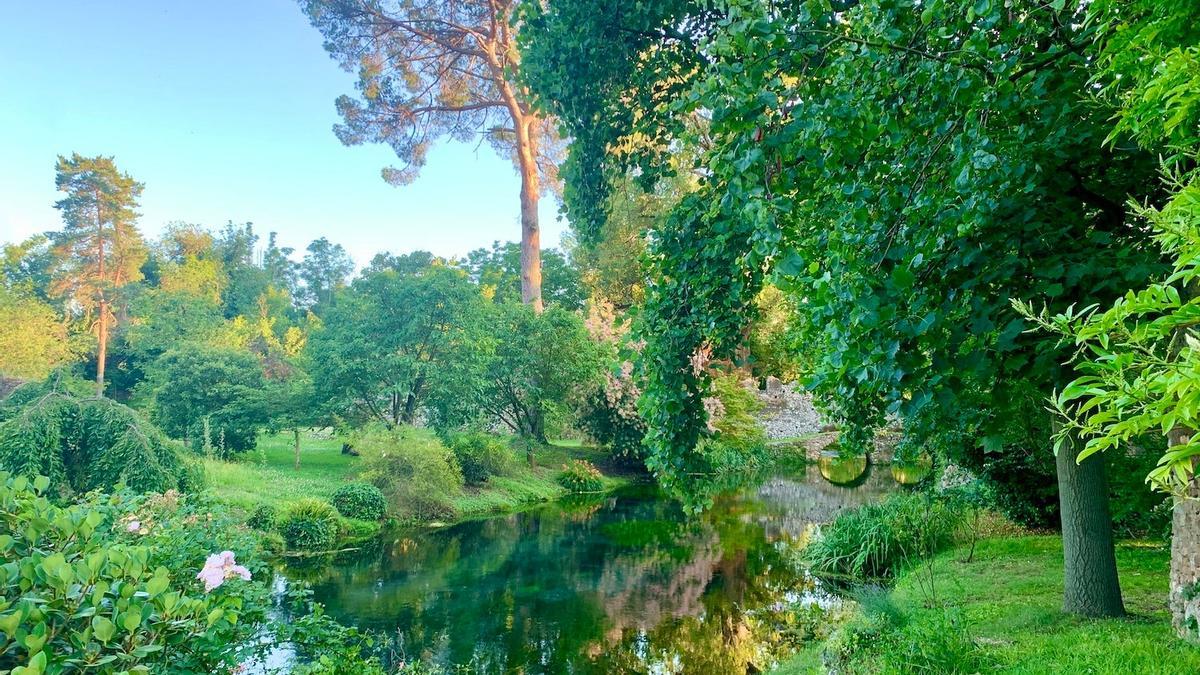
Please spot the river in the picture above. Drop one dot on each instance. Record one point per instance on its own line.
(625, 583)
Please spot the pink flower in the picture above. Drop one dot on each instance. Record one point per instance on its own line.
(133, 526)
(218, 568)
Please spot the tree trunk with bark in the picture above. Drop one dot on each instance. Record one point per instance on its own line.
(102, 351)
(1091, 587)
(296, 445)
(1184, 594)
(531, 238)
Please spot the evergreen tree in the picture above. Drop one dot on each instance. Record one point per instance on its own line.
(100, 249)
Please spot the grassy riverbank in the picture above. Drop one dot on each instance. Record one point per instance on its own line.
(268, 475)
(1000, 613)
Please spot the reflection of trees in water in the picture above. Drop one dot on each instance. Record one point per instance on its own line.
(627, 584)
(793, 505)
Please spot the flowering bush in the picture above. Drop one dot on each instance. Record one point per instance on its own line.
(611, 416)
(360, 500)
(92, 586)
(581, 476)
(309, 525)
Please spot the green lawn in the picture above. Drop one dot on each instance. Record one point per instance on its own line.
(1010, 597)
(273, 478)
(268, 476)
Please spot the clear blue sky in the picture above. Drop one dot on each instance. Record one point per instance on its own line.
(224, 109)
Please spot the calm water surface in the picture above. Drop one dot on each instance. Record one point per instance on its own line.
(629, 583)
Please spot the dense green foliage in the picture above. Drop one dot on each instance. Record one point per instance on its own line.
(264, 517)
(480, 455)
(82, 444)
(359, 500)
(309, 525)
(498, 272)
(1137, 374)
(385, 344)
(877, 540)
(36, 341)
(905, 235)
(518, 368)
(209, 396)
(109, 585)
(415, 470)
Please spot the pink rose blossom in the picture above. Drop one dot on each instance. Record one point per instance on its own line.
(218, 568)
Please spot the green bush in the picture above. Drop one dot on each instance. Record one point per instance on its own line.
(83, 444)
(415, 471)
(610, 417)
(360, 500)
(480, 455)
(264, 518)
(736, 418)
(309, 525)
(581, 476)
(873, 541)
(102, 585)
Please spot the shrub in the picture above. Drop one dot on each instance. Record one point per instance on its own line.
(309, 525)
(733, 416)
(83, 444)
(416, 473)
(360, 500)
(480, 455)
(210, 395)
(264, 518)
(581, 476)
(144, 609)
(873, 541)
(610, 417)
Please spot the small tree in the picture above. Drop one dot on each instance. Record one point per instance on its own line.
(324, 271)
(515, 366)
(100, 249)
(209, 396)
(381, 345)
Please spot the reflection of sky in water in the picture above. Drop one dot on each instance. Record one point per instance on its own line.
(628, 583)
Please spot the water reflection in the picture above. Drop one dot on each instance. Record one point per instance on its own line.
(914, 471)
(628, 583)
(848, 470)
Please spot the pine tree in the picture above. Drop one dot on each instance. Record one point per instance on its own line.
(99, 250)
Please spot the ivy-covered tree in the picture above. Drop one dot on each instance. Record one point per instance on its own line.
(99, 250)
(430, 69)
(905, 168)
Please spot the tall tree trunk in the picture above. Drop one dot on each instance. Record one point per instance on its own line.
(531, 238)
(102, 352)
(296, 444)
(1184, 594)
(1090, 584)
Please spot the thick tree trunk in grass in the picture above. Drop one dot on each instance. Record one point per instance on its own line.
(1090, 584)
(296, 443)
(1184, 597)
